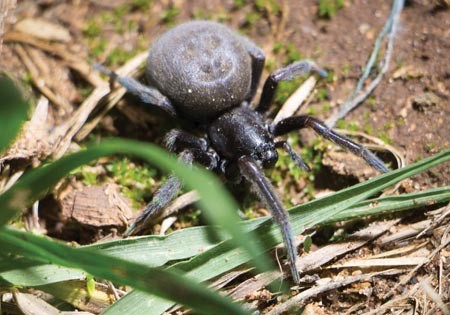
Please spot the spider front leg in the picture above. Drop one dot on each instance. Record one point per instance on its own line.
(189, 148)
(298, 122)
(266, 193)
(146, 94)
(287, 73)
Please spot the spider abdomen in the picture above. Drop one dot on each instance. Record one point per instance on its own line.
(202, 67)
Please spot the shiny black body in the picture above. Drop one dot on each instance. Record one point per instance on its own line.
(226, 134)
(204, 73)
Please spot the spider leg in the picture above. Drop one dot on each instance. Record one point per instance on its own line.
(287, 73)
(162, 197)
(294, 155)
(266, 193)
(298, 122)
(258, 58)
(146, 94)
(177, 141)
(189, 148)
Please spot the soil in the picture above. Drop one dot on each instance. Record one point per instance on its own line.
(410, 109)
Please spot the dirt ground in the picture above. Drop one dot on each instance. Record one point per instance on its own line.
(410, 109)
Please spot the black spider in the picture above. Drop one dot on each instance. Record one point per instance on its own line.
(206, 75)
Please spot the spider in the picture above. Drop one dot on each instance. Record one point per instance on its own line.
(206, 75)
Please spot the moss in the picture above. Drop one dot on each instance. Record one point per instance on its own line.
(251, 18)
(285, 89)
(346, 68)
(384, 137)
(368, 129)
(326, 108)
(92, 28)
(142, 5)
(118, 56)
(135, 180)
(168, 16)
(327, 8)
(322, 94)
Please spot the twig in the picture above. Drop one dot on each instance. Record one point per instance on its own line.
(76, 63)
(294, 102)
(435, 297)
(437, 221)
(331, 285)
(80, 116)
(353, 101)
(6, 6)
(40, 83)
(406, 279)
(317, 259)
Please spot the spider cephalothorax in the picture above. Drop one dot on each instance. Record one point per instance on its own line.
(205, 73)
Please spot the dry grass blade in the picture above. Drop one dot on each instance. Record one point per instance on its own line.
(43, 29)
(318, 258)
(294, 102)
(6, 6)
(435, 297)
(404, 232)
(111, 100)
(444, 212)
(401, 302)
(40, 81)
(330, 285)
(31, 305)
(378, 145)
(384, 262)
(254, 284)
(400, 251)
(80, 117)
(74, 62)
(445, 242)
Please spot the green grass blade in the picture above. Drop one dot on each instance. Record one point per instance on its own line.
(151, 251)
(392, 204)
(223, 258)
(16, 271)
(155, 251)
(219, 206)
(13, 111)
(164, 283)
(319, 210)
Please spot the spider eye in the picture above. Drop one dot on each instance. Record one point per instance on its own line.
(269, 158)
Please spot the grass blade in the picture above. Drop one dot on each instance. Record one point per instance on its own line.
(182, 244)
(13, 111)
(164, 283)
(219, 206)
(223, 257)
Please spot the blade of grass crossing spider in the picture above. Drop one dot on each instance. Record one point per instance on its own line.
(211, 263)
(164, 283)
(13, 111)
(152, 251)
(147, 250)
(218, 205)
(223, 258)
(30, 273)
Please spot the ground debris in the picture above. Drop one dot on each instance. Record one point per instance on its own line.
(96, 206)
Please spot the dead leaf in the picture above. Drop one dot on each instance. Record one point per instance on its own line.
(43, 29)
